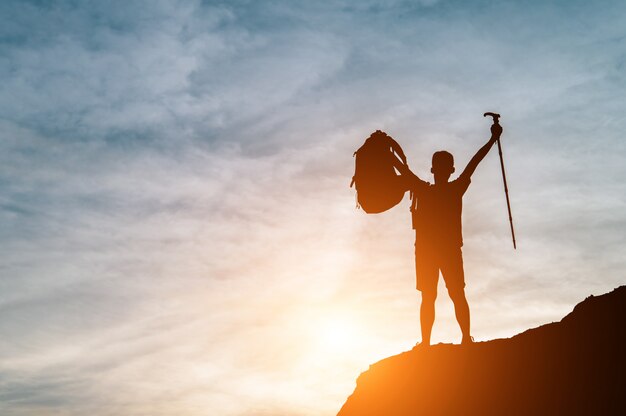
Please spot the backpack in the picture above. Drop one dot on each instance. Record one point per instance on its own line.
(378, 186)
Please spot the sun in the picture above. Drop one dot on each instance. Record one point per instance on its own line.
(338, 334)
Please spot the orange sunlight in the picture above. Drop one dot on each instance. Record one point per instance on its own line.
(337, 335)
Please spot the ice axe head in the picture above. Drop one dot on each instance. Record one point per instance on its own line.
(495, 116)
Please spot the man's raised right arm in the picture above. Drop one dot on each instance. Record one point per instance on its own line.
(413, 181)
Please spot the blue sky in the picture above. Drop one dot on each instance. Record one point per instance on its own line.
(177, 235)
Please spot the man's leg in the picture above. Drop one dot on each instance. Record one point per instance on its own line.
(454, 276)
(427, 275)
(427, 314)
(462, 312)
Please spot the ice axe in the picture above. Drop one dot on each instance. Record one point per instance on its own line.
(496, 117)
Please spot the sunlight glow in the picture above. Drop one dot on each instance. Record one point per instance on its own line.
(338, 335)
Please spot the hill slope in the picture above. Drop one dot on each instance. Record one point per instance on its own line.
(575, 366)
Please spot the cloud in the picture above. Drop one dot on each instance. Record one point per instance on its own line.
(174, 202)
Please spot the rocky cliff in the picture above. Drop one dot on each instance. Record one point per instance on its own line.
(575, 366)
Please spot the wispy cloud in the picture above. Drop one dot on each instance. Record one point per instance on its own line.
(176, 229)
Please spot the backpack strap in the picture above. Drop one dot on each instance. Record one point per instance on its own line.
(413, 197)
(356, 197)
(352, 183)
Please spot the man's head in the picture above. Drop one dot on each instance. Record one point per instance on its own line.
(443, 165)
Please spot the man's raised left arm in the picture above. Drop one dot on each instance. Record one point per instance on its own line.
(496, 131)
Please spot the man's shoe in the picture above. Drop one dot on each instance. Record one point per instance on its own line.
(420, 346)
(469, 340)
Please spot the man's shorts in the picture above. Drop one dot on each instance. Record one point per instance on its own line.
(428, 262)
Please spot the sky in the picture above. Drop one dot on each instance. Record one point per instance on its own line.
(177, 233)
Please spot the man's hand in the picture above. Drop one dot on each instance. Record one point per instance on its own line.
(496, 131)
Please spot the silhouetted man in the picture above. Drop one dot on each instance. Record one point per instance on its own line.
(438, 236)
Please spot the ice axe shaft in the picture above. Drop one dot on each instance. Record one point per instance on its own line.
(496, 118)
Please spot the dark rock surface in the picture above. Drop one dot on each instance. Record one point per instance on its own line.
(575, 366)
